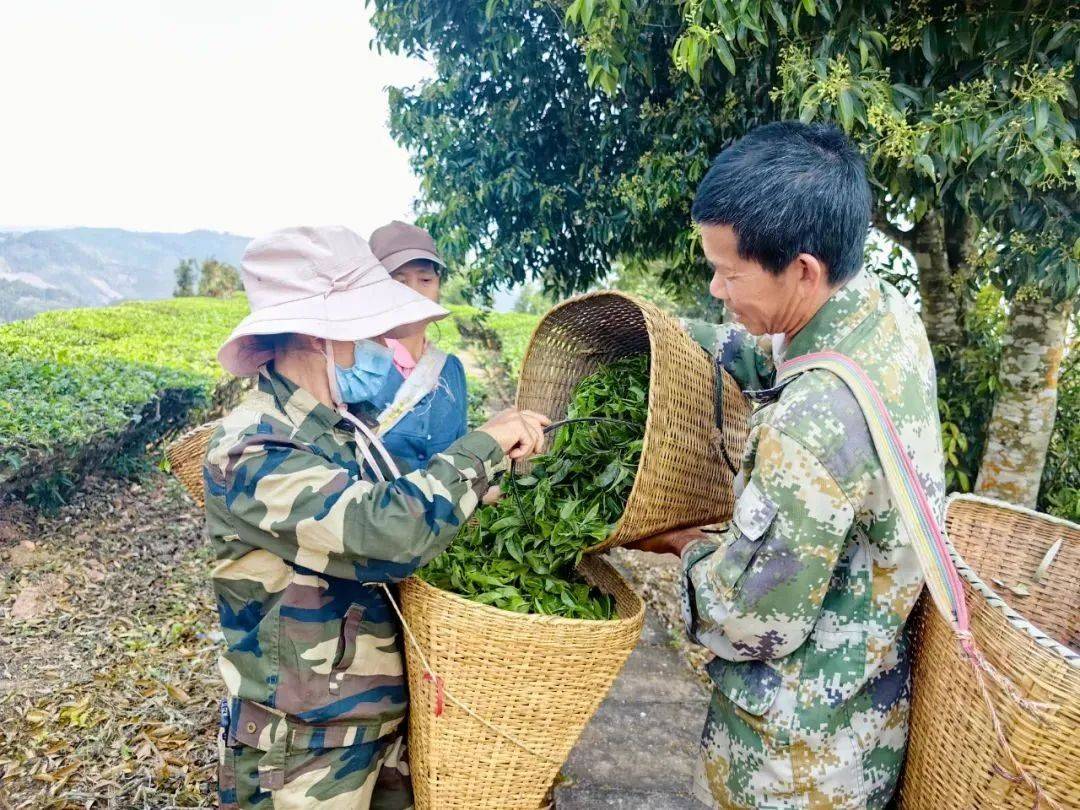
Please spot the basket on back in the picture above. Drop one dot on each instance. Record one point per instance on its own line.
(186, 454)
(683, 478)
(531, 681)
(954, 759)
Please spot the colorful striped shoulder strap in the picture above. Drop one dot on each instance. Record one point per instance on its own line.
(907, 490)
(936, 557)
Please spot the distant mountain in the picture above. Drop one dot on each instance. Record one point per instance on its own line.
(66, 267)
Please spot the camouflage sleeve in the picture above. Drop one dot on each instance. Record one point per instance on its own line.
(746, 358)
(304, 508)
(756, 592)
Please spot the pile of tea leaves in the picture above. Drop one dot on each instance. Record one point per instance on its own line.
(520, 554)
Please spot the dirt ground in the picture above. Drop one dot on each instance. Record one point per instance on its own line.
(656, 578)
(108, 642)
(108, 686)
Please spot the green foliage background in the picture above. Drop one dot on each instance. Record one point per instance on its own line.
(1060, 493)
(557, 140)
(79, 387)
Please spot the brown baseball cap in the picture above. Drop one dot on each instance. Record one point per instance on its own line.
(399, 242)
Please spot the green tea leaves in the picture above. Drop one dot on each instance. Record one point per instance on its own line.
(520, 554)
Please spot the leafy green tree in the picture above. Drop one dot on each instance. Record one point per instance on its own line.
(186, 272)
(455, 290)
(1061, 477)
(533, 300)
(555, 139)
(218, 279)
(647, 280)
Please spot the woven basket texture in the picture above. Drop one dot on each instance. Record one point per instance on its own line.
(186, 455)
(682, 479)
(537, 678)
(954, 760)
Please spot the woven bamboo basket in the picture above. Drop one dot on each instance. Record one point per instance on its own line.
(683, 478)
(954, 759)
(186, 454)
(534, 680)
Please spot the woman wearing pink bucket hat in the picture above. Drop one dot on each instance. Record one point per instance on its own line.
(306, 510)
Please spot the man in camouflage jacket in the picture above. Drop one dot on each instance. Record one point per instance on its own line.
(803, 597)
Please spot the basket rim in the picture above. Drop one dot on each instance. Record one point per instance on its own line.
(648, 311)
(1015, 619)
(535, 618)
(190, 431)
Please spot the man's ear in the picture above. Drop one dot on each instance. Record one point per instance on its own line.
(812, 272)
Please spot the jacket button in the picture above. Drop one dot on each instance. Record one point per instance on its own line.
(251, 727)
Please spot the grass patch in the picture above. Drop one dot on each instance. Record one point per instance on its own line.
(514, 330)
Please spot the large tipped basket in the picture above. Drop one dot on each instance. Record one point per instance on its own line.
(954, 757)
(519, 690)
(687, 462)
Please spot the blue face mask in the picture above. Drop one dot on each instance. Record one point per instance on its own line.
(365, 378)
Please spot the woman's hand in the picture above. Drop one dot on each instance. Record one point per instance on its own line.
(519, 433)
(493, 495)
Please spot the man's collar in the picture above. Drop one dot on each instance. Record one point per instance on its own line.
(310, 417)
(839, 315)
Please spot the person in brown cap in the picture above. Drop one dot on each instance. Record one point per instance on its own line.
(424, 402)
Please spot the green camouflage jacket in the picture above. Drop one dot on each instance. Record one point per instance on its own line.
(804, 596)
(313, 656)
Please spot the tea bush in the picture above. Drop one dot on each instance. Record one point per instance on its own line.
(82, 387)
(514, 330)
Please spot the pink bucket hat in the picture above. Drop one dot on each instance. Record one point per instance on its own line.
(321, 281)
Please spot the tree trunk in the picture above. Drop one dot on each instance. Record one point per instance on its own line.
(1023, 418)
(941, 311)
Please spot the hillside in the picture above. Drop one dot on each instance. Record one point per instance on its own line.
(87, 390)
(57, 269)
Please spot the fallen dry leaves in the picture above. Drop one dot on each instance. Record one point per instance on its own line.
(108, 689)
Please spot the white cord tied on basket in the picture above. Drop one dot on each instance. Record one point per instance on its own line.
(442, 693)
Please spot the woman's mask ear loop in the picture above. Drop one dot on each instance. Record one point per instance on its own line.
(335, 396)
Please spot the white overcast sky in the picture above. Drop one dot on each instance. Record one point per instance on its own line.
(237, 115)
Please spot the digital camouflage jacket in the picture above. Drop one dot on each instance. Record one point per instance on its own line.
(804, 596)
(301, 539)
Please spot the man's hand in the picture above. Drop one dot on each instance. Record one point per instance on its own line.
(519, 433)
(670, 542)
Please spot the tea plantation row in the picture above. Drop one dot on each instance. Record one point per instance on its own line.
(92, 389)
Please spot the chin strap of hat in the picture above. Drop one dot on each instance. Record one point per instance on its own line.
(365, 437)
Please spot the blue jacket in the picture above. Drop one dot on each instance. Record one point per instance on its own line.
(437, 421)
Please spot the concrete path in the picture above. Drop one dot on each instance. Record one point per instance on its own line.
(638, 752)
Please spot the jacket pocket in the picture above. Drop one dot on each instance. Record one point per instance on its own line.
(365, 650)
(754, 514)
(751, 685)
(834, 655)
(346, 647)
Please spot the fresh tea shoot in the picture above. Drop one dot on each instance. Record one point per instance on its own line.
(520, 554)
